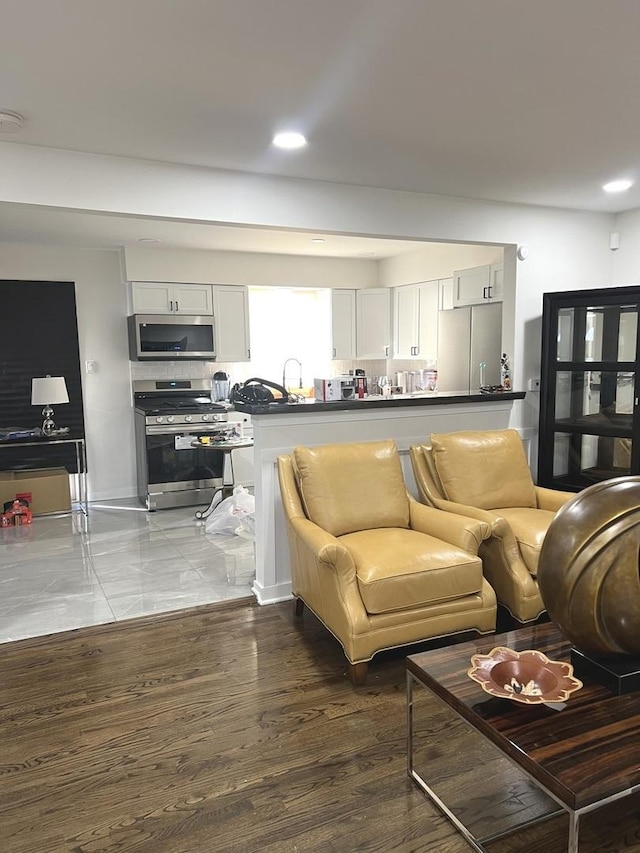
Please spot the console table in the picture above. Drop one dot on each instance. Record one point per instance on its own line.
(81, 460)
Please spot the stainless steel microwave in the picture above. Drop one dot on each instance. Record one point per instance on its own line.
(158, 337)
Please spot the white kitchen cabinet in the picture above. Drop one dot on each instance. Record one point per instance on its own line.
(477, 285)
(373, 323)
(445, 294)
(231, 318)
(496, 282)
(415, 320)
(343, 323)
(158, 297)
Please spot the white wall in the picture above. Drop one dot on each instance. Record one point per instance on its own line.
(435, 261)
(568, 249)
(101, 308)
(258, 268)
(626, 259)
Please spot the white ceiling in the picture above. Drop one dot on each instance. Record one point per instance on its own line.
(493, 99)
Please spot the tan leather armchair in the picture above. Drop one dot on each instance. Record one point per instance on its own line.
(377, 567)
(485, 475)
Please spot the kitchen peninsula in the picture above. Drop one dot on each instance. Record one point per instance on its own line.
(278, 427)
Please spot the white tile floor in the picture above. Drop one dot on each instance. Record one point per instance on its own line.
(63, 572)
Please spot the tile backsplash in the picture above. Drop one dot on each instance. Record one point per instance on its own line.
(241, 371)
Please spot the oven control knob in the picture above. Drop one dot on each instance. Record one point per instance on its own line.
(188, 418)
(159, 420)
(170, 419)
(206, 417)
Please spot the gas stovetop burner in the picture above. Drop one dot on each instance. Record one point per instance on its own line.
(175, 396)
(167, 406)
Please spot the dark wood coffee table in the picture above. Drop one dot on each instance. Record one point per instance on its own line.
(582, 754)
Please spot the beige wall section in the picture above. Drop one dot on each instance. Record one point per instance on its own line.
(211, 267)
(436, 260)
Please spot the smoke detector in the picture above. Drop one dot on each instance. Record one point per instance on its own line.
(10, 122)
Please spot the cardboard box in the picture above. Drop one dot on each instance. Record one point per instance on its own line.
(49, 488)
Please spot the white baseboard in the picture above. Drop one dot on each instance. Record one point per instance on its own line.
(272, 594)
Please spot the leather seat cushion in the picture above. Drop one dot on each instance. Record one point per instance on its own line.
(348, 487)
(487, 469)
(529, 526)
(401, 569)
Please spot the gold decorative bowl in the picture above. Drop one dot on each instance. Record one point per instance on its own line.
(528, 677)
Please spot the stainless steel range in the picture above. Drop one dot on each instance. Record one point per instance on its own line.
(170, 415)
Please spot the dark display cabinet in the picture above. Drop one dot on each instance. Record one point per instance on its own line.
(589, 387)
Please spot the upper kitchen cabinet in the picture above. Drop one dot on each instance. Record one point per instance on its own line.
(445, 294)
(589, 424)
(478, 285)
(415, 320)
(231, 316)
(373, 323)
(153, 297)
(343, 323)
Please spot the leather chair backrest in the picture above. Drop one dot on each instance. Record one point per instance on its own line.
(488, 470)
(350, 487)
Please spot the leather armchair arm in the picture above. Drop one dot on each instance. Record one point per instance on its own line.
(324, 547)
(551, 499)
(489, 518)
(327, 578)
(463, 531)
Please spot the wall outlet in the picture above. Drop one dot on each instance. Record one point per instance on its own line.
(533, 385)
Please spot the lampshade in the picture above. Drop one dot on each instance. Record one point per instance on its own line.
(48, 390)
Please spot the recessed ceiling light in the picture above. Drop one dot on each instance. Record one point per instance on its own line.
(318, 240)
(289, 140)
(617, 186)
(149, 240)
(10, 122)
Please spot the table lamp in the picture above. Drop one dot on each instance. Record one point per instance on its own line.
(47, 391)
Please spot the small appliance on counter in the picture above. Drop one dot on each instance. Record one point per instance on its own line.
(220, 387)
(336, 388)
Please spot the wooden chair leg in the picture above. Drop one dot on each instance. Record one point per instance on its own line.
(299, 607)
(357, 672)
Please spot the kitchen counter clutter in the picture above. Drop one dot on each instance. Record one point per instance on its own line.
(437, 398)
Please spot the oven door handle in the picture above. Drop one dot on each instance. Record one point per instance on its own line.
(181, 429)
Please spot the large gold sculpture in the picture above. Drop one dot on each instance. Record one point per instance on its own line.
(588, 570)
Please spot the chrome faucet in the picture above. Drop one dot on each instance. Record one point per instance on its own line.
(284, 371)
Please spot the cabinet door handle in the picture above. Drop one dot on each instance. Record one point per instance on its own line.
(484, 292)
(334, 352)
(176, 304)
(171, 305)
(490, 288)
(386, 351)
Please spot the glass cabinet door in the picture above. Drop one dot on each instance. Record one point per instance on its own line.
(589, 397)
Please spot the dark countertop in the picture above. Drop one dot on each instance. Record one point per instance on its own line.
(440, 398)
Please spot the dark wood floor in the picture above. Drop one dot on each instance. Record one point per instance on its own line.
(227, 728)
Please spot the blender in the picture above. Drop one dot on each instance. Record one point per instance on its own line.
(220, 386)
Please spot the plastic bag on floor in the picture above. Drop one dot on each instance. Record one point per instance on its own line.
(233, 515)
